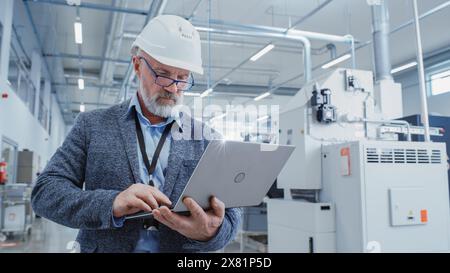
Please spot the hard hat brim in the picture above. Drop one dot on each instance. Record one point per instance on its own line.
(144, 46)
(178, 64)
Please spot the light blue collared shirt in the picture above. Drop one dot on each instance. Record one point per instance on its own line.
(149, 239)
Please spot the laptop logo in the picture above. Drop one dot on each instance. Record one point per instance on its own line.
(239, 177)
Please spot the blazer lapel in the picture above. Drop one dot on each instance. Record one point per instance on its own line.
(127, 128)
(179, 151)
(174, 165)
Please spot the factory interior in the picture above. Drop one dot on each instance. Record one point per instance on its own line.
(359, 89)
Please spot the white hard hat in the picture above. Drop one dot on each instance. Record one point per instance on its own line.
(172, 41)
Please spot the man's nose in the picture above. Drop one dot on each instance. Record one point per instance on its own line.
(172, 88)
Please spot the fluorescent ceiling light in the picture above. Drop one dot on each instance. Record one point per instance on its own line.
(204, 29)
(262, 52)
(130, 35)
(82, 108)
(73, 2)
(78, 27)
(260, 97)
(403, 67)
(191, 94)
(81, 84)
(206, 92)
(336, 61)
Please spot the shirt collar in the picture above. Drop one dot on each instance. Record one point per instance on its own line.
(134, 102)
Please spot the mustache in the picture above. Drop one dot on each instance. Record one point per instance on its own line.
(167, 95)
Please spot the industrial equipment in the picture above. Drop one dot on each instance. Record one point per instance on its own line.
(441, 122)
(350, 185)
(15, 211)
(301, 226)
(28, 166)
(391, 194)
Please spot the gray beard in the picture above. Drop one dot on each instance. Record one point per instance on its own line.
(165, 111)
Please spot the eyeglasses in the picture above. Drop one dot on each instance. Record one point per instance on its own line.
(164, 81)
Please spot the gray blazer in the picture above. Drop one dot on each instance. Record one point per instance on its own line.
(100, 154)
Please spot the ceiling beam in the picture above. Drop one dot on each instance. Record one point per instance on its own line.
(194, 11)
(87, 5)
(85, 57)
(308, 15)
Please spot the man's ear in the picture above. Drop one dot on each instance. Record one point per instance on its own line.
(136, 65)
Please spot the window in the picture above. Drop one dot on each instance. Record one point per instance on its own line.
(20, 78)
(438, 78)
(440, 82)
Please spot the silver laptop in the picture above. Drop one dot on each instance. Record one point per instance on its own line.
(238, 173)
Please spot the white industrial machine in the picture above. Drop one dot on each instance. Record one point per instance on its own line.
(350, 186)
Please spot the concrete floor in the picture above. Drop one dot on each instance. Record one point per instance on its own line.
(46, 237)
(49, 237)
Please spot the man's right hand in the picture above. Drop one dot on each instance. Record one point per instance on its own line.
(138, 197)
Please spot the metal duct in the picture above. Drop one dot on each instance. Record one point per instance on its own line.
(380, 33)
(303, 40)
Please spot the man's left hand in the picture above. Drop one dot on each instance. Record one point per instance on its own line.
(200, 225)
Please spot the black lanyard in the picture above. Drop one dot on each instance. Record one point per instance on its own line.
(150, 222)
(150, 167)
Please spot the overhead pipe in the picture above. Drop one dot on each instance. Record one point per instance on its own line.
(329, 47)
(85, 57)
(221, 42)
(305, 42)
(87, 5)
(362, 45)
(380, 34)
(301, 20)
(366, 43)
(421, 74)
(274, 32)
(268, 29)
(393, 122)
(278, 48)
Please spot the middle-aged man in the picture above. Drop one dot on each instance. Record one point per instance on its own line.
(128, 159)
